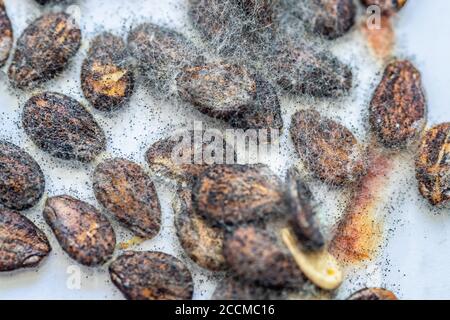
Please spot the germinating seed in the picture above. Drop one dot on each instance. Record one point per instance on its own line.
(328, 149)
(22, 182)
(231, 194)
(151, 276)
(22, 244)
(433, 165)
(299, 202)
(398, 106)
(62, 127)
(128, 193)
(373, 294)
(81, 230)
(44, 50)
(6, 34)
(256, 255)
(106, 78)
(202, 242)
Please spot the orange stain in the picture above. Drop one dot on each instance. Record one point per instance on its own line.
(360, 232)
(381, 41)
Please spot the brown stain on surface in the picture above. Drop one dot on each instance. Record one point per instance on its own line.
(360, 232)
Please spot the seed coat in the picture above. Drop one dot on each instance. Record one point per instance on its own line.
(128, 194)
(22, 182)
(81, 230)
(62, 127)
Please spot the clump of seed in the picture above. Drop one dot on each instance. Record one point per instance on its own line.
(231, 194)
(327, 148)
(6, 34)
(22, 244)
(433, 165)
(22, 182)
(398, 106)
(81, 230)
(236, 289)
(151, 276)
(373, 294)
(255, 255)
(106, 78)
(299, 203)
(328, 18)
(301, 69)
(62, 127)
(388, 7)
(202, 242)
(160, 52)
(44, 50)
(177, 156)
(128, 193)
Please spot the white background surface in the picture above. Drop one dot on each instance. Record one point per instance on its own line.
(415, 258)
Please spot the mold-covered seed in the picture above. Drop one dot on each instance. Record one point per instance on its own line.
(301, 69)
(239, 28)
(177, 156)
(433, 165)
(398, 106)
(22, 244)
(151, 276)
(299, 203)
(218, 89)
(373, 294)
(6, 34)
(226, 27)
(232, 93)
(62, 127)
(328, 18)
(236, 289)
(160, 52)
(230, 194)
(44, 2)
(128, 193)
(388, 7)
(44, 49)
(265, 113)
(81, 230)
(106, 78)
(256, 255)
(22, 182)
(262, 11)
(327, 148)
(202, 242)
